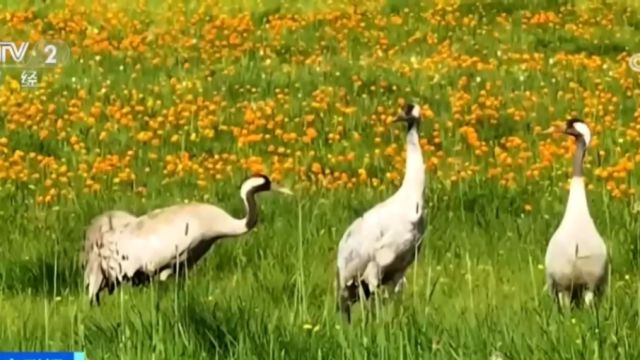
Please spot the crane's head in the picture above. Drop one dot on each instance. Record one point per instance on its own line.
(410, 115)
(259, 183)
(574, 127)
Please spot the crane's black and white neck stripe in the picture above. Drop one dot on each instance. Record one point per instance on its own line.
(411, 115)
(414, 177)
(250, 187)
(580, 131)
(577, 202)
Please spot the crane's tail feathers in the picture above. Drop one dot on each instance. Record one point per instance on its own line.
(344, 304)
(343, 299)
(347, 296)
(98, 258)
(94, 281)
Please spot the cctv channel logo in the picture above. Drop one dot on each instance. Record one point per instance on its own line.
(41, 54)
(634, 62)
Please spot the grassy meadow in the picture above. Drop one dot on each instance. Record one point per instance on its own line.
(165, 102)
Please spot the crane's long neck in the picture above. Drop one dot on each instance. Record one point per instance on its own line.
(578, 157)
(577, 203)
(251, 219)
(414, 169)
(240, 226)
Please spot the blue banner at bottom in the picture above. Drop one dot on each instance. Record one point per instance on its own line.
(42, 356)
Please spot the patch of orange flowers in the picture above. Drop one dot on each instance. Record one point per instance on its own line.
(202, 94)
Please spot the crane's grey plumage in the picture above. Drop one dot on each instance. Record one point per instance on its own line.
(576, 259)
(379, 246)
(167, 240)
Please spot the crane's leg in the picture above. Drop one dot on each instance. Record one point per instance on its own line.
(372, 276)
(370, 284)
(551, 287)
(594, 291)
(588, 297)
(399, 283)
(395, 284)
(558, 294)
(564, 299)
(164, 274)
(140, 278)
(347, 295)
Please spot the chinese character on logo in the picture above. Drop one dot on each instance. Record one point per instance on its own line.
(29, 79)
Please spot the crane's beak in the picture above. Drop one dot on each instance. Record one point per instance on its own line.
(553, 130)
(400, 118)
(282, 189)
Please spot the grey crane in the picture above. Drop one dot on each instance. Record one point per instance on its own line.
(167, 240)
(576, 263)
(378, 247)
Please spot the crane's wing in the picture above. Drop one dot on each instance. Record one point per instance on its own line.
(380, 236)
(358, 244)
(177, 233)
(161, 239)
(94, 278)
(399, 239)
